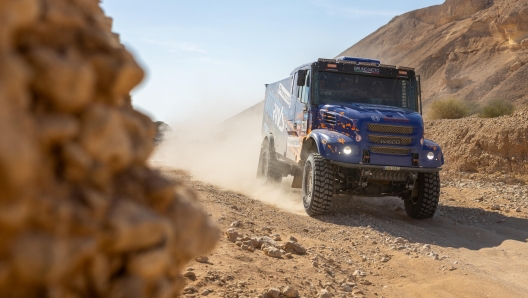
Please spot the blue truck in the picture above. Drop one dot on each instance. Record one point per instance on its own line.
(350, 126)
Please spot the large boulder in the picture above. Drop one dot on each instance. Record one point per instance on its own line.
(81, 214)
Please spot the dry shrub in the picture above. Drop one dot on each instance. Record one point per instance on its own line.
(496, 108)
(449, 108)
(81, 215)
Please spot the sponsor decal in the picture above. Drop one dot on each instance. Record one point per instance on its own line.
(402, 72)
(358, 138)
(371, 70)
(294, 142)
(375, 118)
(285, 94)
(278, 117)
(389, 168)
(341, 140)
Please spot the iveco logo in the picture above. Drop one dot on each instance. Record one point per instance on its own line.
(390, 141)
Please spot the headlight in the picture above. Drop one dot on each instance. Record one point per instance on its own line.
(430, 155)
(347, 150)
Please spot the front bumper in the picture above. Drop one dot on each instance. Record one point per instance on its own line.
(385, 168)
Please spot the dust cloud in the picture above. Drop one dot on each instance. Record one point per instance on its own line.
(226, 154)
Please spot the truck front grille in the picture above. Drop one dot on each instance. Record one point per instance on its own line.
(390, 140)
(390, 150)
(402, 130)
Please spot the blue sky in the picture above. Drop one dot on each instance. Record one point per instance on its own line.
(212, 58)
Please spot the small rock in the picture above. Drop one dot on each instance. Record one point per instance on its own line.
(206, 292)
(273, 293)
(288, 255)
(358, 293)
(293, 247)
(235, 224)
(266, 229)
(276, 237)
(315, 264)
(259, 242)
(189, 290)
(325, 294)
(272, 252)
(359, 273)
(247, 247)
(365, 282)
(293, 239)
(289, 292)
(495, 207)
(190, 275)
(202, 259)
(347, 288)
(518, 209)
(232, 235)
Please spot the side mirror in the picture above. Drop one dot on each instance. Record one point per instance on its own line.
(301, 77)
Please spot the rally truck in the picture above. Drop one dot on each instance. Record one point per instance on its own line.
(350, 126)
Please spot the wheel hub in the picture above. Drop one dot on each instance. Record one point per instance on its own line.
(308, 184)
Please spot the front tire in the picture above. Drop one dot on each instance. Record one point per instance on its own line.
(268, 167)
(317, 185)
(425, 204)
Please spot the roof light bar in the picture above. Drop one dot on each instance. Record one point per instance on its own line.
(358, 60)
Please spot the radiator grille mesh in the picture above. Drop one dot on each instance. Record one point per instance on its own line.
(403, 130)
(390, 150)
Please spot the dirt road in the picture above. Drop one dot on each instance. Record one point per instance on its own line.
(368, 247)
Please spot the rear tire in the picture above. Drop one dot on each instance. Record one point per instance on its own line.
(424, 205)
(268, 167)
(317, 185)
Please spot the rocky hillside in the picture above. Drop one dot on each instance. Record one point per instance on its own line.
(470, 49)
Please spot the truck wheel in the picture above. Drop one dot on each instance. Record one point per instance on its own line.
(317, 185)
(268, 166)
(425, 204)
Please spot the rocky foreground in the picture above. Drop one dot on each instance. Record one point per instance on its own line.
(474, 247)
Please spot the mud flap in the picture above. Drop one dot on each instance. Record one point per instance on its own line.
(297, 179)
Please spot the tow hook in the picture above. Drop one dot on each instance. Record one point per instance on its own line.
(411, 181)
(363, 180)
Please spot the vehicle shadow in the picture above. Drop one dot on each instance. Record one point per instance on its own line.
(452, 226)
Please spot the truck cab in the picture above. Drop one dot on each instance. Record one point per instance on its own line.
(350, 126)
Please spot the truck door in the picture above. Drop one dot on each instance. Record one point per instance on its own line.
(297, 128)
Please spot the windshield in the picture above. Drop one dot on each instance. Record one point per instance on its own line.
(336, 88)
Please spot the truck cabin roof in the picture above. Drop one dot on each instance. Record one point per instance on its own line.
(352, 61)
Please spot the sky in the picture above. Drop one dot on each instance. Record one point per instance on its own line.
(212, 58)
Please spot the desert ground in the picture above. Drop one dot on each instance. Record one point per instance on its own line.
(475, 246)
